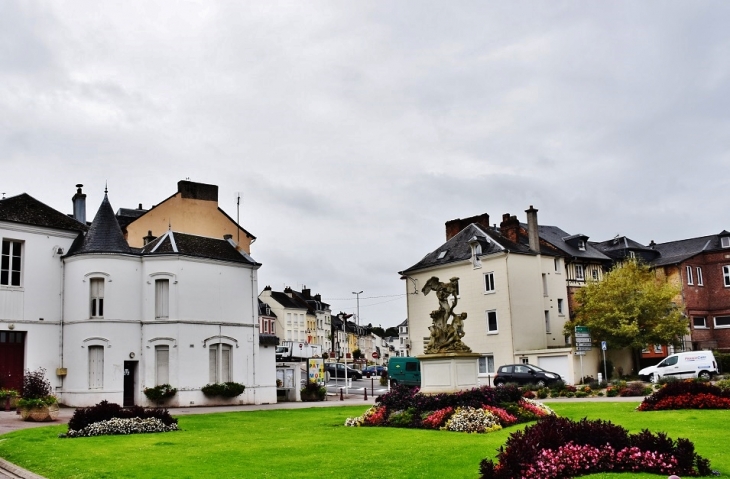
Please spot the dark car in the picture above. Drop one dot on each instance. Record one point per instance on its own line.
(374, 371)
(337, 370)
(524, 374)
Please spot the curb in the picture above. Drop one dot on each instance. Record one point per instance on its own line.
(13, 471)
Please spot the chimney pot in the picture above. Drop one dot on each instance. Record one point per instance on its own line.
(79, 205)
(227, 236)
(140, 206)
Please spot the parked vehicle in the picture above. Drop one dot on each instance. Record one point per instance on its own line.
(404, 370)
(297, 350)
(374, 371)
(690, 364)
(337, 370)
(524, 374)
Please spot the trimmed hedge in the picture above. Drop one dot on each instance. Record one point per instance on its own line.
(226, 390)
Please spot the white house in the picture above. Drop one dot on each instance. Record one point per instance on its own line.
(514, 294)
(181, 310)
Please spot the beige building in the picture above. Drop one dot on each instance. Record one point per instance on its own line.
(193, 209)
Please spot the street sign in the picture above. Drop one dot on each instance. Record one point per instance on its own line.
(582, 329)
(375, 355)
(580, 353)
(603, 345)
(583, 340)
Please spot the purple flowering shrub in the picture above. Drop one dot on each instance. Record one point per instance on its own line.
(561, 448)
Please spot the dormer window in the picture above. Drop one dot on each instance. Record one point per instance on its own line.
(581, 245)
(725, 241)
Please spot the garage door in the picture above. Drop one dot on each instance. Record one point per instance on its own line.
(556, 364)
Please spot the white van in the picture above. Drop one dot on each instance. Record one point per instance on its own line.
(690, 364)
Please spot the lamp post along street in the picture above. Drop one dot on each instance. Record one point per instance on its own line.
(357, 319)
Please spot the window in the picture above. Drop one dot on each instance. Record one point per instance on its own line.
(544, 285)
(162, 299)
(547, 322)
(557, 265)
(492, 322)
(689, 275)
(486, 364)
(441, 255)
(162, 365)
(219, 363)
(699, 322)
(726, 275)
(520, 369)
(722, 321)
(560, 306)
(658, 349)
(97, 297)
(579, 275)
(10, 260)
(582, 245)
(594, 274)
(489, 282)
(700, 281)
(96, 367)
(725, 241)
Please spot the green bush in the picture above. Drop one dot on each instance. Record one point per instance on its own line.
(312, 390)
(160, 393)
(226, 390)
(723, 384)
(723, 362)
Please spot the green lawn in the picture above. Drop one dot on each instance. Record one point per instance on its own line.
(315, 443)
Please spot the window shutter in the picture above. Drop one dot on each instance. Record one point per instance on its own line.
(225, 363)
(163, 364)
(96, 367)
(213, 364)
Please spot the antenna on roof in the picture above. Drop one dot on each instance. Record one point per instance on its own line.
(106, 190)
(238, 217)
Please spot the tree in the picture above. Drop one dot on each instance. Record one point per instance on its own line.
(630, 308)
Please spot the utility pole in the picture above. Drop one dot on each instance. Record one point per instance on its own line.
(358, 306)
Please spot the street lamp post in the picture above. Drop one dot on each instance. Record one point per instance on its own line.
(358, 293)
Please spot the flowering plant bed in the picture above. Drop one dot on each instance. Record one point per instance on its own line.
(561, 448)
(110, 418)
(688, 394)
(478, 410)
(227, 390)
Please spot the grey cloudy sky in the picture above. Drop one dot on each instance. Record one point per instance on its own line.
(354, 130)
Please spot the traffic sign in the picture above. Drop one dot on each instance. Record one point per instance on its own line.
(583, 340)
(580, 353)
(603, 345)
(375, 355)
(582, 329)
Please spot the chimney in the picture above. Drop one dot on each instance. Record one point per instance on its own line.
(532, 229)
(79, 202)
(454, 226)
(318, 297)
(140, 206)
(510, 227)
(149, 238)
(307, 293)
(197, 191)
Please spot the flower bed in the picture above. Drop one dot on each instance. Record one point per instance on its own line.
(688, 394)
(477, 410)
(111, 418)
(560, 448)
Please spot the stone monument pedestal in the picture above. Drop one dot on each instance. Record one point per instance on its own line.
(448, 372)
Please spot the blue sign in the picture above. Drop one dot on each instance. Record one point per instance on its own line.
(603, 345)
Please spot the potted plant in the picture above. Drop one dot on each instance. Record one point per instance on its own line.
(227, 390)
(313, 391)
(37, 402)
(8, 396)
(160, 394)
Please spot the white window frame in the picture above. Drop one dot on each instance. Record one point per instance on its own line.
(560, 306)
(704, 322)
(96, 367)
(486, 364)
(594, 273)
(578, 267)
(162, 298)
(496, 322)
(690, 279)
(700, 280)
(97, 287)
(658, 349)
(722, 326)
(9, 266)
(547, 321)
(544, 285)
(220, 363)
(489, 282)
(726, 275)
(581, 245)
(162, 364)
(557, 265)
(725, 242)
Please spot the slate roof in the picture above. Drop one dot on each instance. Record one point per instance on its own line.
(458, 249)
(559, 238)
(265, 310)
(127, 215)
(197, 246)
(618, 248)
(284, 300)
(104, 235)
(675, 252)
(25, 209)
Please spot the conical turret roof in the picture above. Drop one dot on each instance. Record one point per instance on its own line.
(104, 235)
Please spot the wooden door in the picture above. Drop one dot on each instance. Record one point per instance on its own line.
(12, 354)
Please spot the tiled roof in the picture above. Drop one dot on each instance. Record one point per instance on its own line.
(675, 252)
(104, 235)
(559, 238)
(458, 249)
(25, 209)
(196, 246)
